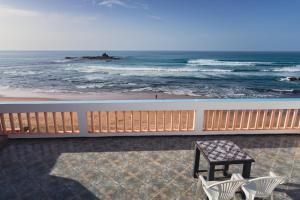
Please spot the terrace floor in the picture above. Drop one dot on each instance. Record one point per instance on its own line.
(132, 167)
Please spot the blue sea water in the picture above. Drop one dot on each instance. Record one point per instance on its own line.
(203, 74)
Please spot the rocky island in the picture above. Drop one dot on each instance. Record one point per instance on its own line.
(104, 56)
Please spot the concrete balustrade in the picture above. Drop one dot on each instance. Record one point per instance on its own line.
(149, 117)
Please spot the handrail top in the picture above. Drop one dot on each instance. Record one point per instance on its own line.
(151, 101)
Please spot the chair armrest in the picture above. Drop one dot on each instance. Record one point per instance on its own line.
(272, 174)
(203, 181)
(237, 176)
(285, 179)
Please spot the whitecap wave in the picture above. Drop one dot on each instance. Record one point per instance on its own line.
(19, 73)
(143, 89)
(211, 62)
(282, 90)
(91, 86)
(285, 79)
(288, 69)
(99, 68)
(181, 92)
(62, 61)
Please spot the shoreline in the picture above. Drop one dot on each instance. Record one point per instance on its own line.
(96, 96)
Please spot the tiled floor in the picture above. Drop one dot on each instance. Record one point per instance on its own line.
(131, 167)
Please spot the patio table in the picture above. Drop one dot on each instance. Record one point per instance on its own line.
(221, 152)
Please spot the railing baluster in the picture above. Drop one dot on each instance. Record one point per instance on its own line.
(171, 121)
(12, 124)
(63, 121)
(249, 119)
(179, 118)
(148, 120)
(287, 116)
(213, 119)
(226, 119)
(256, 119)
(46, 122)
(29, 122)
(194, 121)
(234, 119)
(264, 119)
(54, 122)
(116, 120)
(108, 122)
(131, 116)
(37, 122)
(140, 121)
(3, 122)
(242, 119)
(219, 119)
(100, 127)
(72, 122)
(294, 118)
(20, 123)
(187, 120)
(124, 129)
(279, 119)
(272, 119)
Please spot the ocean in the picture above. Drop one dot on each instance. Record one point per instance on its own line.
(203, 74)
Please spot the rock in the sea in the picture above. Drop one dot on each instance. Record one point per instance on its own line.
(293, 78)
(104, 56)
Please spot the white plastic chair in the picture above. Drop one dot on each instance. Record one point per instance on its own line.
(261, 187)
(221, 190)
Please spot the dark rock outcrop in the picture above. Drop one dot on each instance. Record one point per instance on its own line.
(293, 78)
(104, 56)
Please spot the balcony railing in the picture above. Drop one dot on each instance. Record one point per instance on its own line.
(149, 117)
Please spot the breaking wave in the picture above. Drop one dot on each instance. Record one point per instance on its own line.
(288, 69)
(211, 62)
(99, 68)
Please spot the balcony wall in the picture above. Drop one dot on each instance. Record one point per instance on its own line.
(149, 117)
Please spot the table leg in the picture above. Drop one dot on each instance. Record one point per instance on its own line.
(211, 172)
(247, 169)
(225, 170)
(196, 162)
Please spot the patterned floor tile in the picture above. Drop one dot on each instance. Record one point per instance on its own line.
(133, 168)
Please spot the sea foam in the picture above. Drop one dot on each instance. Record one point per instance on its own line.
(288, 69)
(99, 68)
(211, 62)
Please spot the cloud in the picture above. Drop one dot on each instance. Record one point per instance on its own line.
(111, 3)
(154, 17)
(6, 11)
(122, 3)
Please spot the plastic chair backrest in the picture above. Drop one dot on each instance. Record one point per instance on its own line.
(264, 186)
(227, 189)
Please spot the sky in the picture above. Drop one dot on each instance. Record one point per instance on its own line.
(208, 25)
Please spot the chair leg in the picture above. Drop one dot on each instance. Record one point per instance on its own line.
(272, 196)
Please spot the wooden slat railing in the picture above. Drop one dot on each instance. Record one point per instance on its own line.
(245, 120)
(38, 123)
(141, 121)
(149, 117)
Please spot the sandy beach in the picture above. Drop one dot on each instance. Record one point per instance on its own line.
(95, 96)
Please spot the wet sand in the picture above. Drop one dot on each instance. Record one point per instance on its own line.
(96, 96)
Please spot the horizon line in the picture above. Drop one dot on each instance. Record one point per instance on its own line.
(165, 50)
